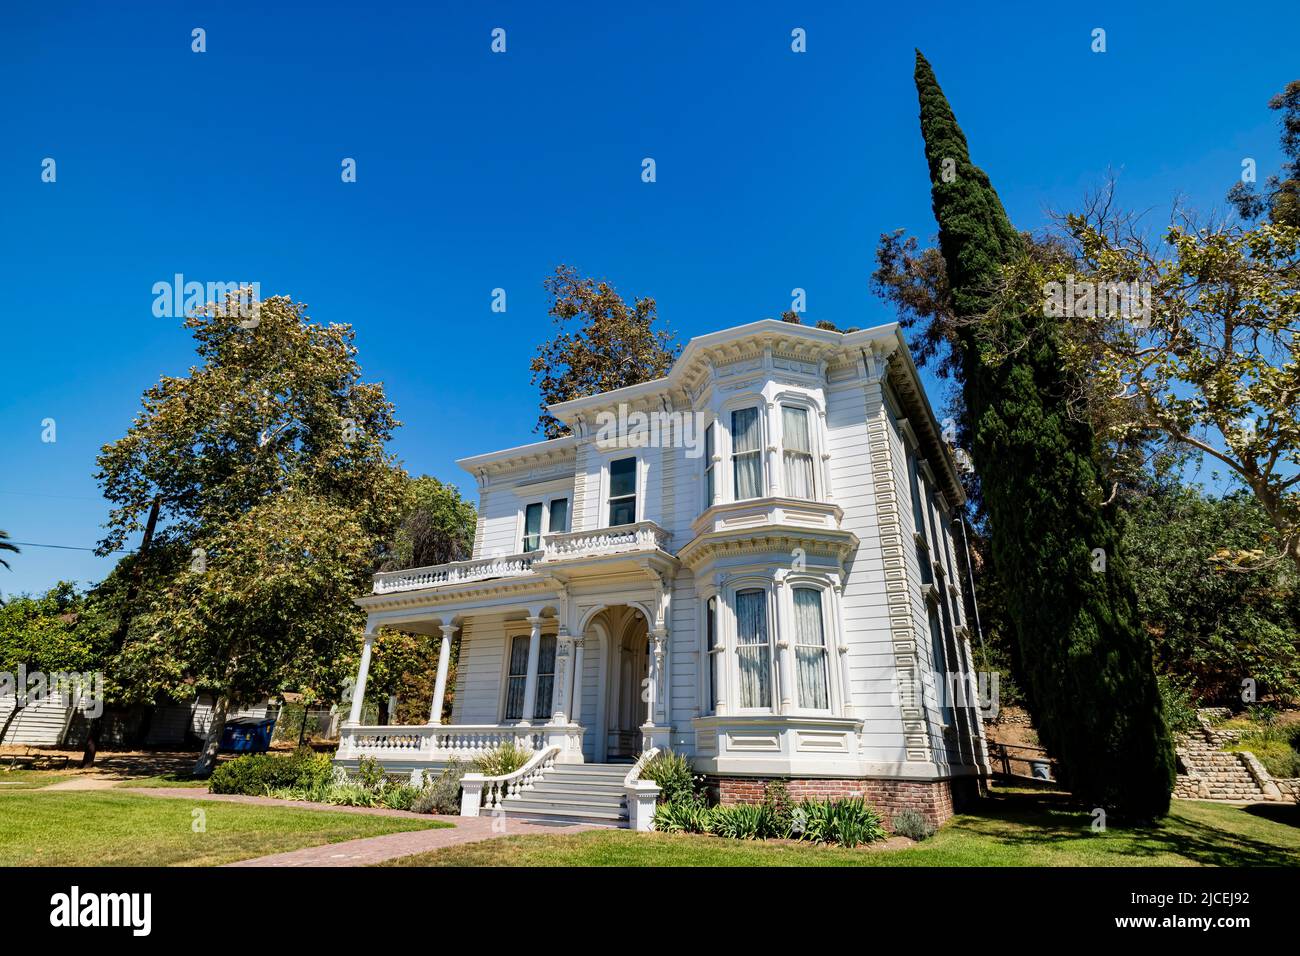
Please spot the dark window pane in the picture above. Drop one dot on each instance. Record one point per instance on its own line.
(559, 515)
(622, 512)
(533, 527)
(622, 477)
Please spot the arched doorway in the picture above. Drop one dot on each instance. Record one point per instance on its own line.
(614, 706)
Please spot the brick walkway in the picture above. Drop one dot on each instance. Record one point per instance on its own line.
(368, 850)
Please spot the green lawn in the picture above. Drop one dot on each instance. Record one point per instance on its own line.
(28, 779)
(181, 779)
(119, 828)
(1008, 829)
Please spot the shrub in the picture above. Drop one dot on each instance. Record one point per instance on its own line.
(399, 796)
(849, 822)
(676, 780)
(911, 824)
(255, 773)
(370, 773)
(442, 793)
(741, 821)
(503, 759)
(780, 809)
(1177, 704)
(351, 793)
(683, 816)
(1276, 747)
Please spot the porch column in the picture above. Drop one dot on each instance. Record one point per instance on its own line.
(576, 693)
(363, 671)
(560, 685)
(530, 681)
(440, 685)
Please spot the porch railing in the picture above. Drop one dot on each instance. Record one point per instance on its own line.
(490, 793)
(435, 742)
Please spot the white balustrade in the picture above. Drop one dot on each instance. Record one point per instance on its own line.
(457, 572)
(642, 536)
(490, 793)
(439, 742)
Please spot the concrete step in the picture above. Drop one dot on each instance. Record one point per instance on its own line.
(612, 771)
(569, 800)
(530, 810)
(579, 789)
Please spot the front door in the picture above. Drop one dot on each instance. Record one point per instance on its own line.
(627, 709)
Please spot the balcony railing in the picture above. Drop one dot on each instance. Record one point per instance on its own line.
(567, 546)
(642, 536)
(458, 572)
(434, 742)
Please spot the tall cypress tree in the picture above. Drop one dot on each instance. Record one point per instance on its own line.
(1091, 686)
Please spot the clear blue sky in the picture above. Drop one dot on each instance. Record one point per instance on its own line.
(478, 171)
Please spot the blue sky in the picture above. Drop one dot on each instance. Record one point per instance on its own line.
(476, 170)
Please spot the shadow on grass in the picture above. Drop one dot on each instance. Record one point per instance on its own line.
(1056, 821)
(1287, 814)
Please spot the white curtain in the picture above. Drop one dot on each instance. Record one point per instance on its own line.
(746, 453)
(810, 650)
(753, 651)
(518, 676)
(798, 452)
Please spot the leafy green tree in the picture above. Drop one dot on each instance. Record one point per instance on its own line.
(1213, 624)
(603, 344)
(1091, 686)
(266, 467)
(1281, 199)
(437, 526)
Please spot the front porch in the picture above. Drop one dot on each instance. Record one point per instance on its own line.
(564, 653)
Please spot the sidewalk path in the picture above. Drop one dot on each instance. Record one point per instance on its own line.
(368, 850)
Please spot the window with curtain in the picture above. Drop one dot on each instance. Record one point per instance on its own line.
(746, 453)
(559, 520)
(711, 649)
(810, 650)
(939, 658)
(710, 470)
(797, 440)
(545, 678)
(515, 683)
(532, 527)
(622, 492)
(753, 650)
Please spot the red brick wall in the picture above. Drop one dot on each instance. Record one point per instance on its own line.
(932, 799)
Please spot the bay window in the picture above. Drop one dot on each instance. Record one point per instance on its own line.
(622, 492)
(711, 650)
(810, 650)
(797, 439)
(753, 648)
(746, 453)
(710, 470)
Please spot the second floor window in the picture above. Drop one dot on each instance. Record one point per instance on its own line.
(753, 649)
(559, 521)
(746, 453)
(710, 471)
(918, 516)
(533, 527)
(622, 492)
(798, 452)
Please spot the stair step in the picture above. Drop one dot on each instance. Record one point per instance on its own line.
(592, 769)
(577, 790)
(529, 808)
(558, 799)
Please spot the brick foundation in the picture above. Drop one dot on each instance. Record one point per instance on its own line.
(936, 800)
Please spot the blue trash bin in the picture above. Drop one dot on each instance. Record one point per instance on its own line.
(247, 735)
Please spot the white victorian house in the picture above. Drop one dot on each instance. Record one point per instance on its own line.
(750, 561)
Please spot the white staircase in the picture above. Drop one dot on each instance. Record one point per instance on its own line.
(574, 793)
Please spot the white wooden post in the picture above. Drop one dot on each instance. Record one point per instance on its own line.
(440, 685)
(359, 688)
(530, 682)
(471, 794)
